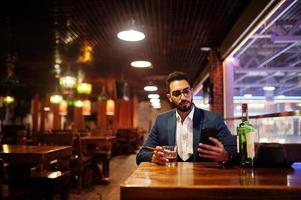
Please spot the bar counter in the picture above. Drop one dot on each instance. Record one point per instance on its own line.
(208, 181)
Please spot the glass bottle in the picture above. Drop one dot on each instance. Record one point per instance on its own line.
(103, 96)
(245, 139)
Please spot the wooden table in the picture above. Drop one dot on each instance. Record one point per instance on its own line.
(101, 147)
(33, 154)
(97, 139)
(22, 158)
(207, 181)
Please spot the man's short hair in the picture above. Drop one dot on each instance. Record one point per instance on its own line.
(176, 76)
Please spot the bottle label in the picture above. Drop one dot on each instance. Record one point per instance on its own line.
(250, 144)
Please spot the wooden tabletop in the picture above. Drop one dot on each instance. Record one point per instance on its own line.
(97, 139)
(33, 154)
(207, 181)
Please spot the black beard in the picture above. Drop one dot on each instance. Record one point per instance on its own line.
(185, 109)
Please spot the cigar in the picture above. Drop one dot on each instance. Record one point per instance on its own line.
(149, 148)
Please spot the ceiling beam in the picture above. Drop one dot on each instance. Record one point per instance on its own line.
(251, 18)
(276, 54)
(269, 69)
(294, 87)
(261, 85)
(242, 50)
(269, 59)
(286, 39)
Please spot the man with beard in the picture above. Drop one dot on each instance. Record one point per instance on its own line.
(183, 126)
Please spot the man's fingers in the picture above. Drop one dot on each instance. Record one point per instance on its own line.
(159, 148)
(214, 152)
(207, 156)
(217, 148)
(216, 142)
(208, 152)
(158, 157)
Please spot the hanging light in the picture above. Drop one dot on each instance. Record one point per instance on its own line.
(156, 104)
(46, 109)
(153, 96)
(71, 102)
(154, 100)
(78, 103)
(67, 81)
(84, 88)
(63, 108)
(86, 107)
(141, 64)
(110, 107)
(131, 35)
(8, 99)
(56, 98)
(205, 48)
(150, 88)
(269, 88)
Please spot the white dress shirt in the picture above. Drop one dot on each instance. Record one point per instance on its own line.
(184, 135)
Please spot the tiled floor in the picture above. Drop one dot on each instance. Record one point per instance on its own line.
(120, 168)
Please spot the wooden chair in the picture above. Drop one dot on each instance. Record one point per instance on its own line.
(56, 181)
(22, 137)
(61, 131)
(8, 192)
(52, 184)
(141, 134)
(103, 132)
(102, 154)
(80, 164)
(64, 139)
(126, 141)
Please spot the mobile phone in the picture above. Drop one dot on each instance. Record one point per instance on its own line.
(206, 133)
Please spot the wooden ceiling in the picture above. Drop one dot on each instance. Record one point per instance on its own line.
(175, 31)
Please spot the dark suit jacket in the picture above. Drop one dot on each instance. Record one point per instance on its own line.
(164, 130)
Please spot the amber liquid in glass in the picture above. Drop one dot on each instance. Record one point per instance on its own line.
(171, 156)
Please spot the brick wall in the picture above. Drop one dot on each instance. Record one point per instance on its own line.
(216, 76)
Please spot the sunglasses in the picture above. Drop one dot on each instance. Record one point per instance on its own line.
(186, 92)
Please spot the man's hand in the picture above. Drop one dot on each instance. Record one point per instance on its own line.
(216, 153)
(158, 156)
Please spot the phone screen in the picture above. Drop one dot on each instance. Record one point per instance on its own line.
(206, 133)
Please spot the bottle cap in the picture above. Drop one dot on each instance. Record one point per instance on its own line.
(244, 107)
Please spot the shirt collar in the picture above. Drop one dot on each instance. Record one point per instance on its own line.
(189, 116)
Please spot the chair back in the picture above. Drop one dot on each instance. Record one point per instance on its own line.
(64, 139)
(77, 147)
(103, 132)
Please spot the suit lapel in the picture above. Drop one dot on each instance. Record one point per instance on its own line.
(197, 124)
(172, 128)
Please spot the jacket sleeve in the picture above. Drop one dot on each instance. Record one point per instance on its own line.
(152, 140)
(225, 136)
